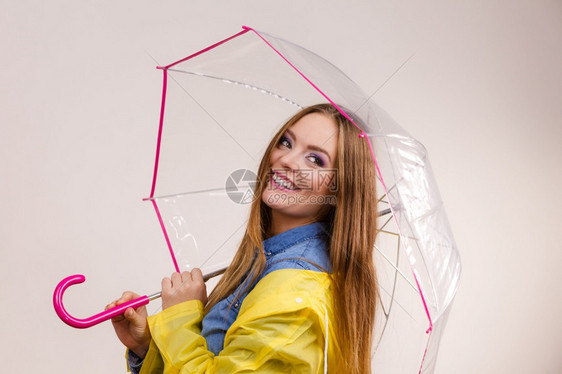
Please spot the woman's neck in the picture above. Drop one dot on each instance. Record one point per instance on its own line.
(281, 223)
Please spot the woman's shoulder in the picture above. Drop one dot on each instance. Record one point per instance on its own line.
(289, 290)
(294, 308)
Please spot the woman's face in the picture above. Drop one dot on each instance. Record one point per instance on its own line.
(302, 175)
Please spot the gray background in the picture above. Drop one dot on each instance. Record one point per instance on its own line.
(481, 89)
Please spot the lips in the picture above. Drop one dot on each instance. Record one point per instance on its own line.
(283, 181)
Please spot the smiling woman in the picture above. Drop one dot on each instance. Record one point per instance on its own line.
(300, 294)
(301, 171)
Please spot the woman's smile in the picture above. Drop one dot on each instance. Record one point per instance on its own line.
(282, 183)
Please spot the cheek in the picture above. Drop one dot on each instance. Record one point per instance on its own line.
(275, 155)
(324, 183)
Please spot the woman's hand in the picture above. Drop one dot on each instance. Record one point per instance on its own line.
(131, 327)
(183, 287)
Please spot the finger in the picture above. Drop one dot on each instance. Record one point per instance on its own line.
(117, 318)
(166, 284)
(176, 279)
(134, 317)
(125, 297)
(186, 276)
(197, 275)
(110, 305)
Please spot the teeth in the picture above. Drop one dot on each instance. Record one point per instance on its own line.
(282, 182)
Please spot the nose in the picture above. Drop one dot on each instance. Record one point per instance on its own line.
(290, 161)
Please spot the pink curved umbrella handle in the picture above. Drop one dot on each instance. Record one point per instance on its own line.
(108, 314)
(93, 320)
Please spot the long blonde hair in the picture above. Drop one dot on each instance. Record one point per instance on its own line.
(352, 223)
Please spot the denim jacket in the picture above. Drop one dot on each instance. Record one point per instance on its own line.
(304, 247)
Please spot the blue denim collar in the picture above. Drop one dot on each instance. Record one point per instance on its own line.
(280, 242)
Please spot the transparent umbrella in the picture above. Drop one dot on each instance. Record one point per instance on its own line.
(220, 108)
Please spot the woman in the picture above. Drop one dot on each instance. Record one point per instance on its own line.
(300, 293)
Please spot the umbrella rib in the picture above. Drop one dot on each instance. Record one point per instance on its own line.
(210, 116)
(403, 236)
(393, 300)
(238, 83)
(185, 193)
(389, 190)
(381, 229)
(398, 270)
(400, 305)
(395, 278)
(201, 106)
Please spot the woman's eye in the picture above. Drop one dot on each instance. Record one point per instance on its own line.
(316, 160)
(284, 142)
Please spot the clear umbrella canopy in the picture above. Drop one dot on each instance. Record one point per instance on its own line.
(220, 108)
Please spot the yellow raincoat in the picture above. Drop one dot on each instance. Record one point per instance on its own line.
(285, 325)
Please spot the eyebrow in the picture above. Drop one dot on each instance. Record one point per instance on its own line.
(311, 146)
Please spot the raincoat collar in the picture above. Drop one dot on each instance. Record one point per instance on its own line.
(280, 242)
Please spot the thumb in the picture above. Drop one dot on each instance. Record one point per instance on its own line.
(133, 317)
